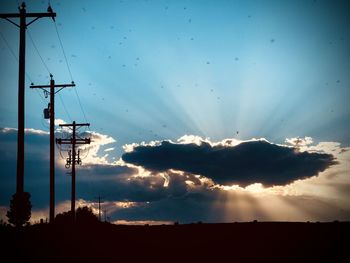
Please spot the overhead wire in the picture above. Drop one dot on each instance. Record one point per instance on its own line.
(37, 51)
(48, 70)
(17, 60)
(64, 53)
(69, 71)
(27, 75)
(64, 107)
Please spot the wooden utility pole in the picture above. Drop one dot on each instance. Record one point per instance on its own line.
(51, 111)
(22, 15)
(72, 160)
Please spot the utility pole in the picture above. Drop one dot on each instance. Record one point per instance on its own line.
(72, 160)
(50, 113)
(105, 214)
(22, 15)
(99, 206)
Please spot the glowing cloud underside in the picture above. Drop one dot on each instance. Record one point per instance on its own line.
(255, 161)
(136, 194)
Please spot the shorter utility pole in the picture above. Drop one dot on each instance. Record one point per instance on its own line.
(49, 113)
(74, 157)
(99, 206)
(105, 214)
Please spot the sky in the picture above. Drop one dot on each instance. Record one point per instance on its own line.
(213, 111)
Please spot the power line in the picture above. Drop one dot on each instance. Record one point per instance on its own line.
(41, 96)
(12, 52)
(64, 53)
(16, 58)
(70, 72)
(64, 107)
(37, 51)
(81, 107)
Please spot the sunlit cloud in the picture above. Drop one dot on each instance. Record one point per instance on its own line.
(299, 141)
(230, 161)
(136, 194)
(92, 151)
(109, 149)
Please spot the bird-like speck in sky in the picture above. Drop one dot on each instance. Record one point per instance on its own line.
(146, 70)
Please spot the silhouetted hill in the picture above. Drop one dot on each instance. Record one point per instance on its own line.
(235, 242)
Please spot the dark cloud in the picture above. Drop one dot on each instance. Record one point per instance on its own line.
(36, 166)
(169, 195)
(128, 187)
(114, 182)
(244, 164)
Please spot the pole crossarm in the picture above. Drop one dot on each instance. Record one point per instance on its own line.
(76, 124)
(70, 141)
(44, 87)
(38, 15)
(48, 86)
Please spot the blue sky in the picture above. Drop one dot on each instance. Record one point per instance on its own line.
(158, 70)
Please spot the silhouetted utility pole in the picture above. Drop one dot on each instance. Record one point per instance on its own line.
(50, 114)
(105, 214)
(99, 206)
(21, 81)
(72, 160)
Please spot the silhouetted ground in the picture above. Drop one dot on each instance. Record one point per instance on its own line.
(235, 242)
